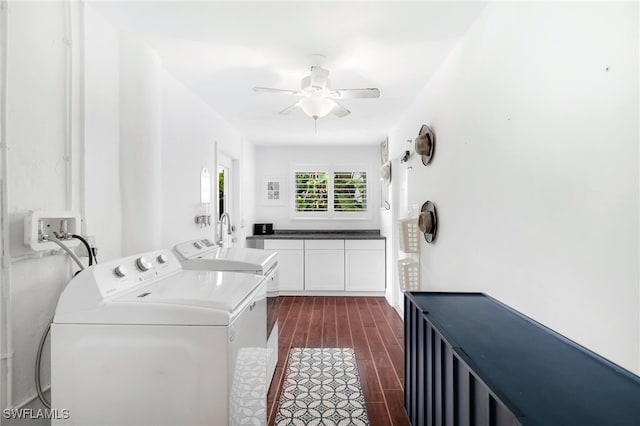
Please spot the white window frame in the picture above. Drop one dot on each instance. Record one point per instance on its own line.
(330, 214)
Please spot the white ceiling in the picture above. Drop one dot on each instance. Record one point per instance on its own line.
(221, 50)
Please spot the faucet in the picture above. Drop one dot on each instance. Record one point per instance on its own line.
(224, 216)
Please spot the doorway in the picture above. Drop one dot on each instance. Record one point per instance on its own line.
(225, 198)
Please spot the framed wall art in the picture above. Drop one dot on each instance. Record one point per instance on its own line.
(273, 190)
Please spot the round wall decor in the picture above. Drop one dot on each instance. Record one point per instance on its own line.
(425, 144)
(428, 221)
(385, 172)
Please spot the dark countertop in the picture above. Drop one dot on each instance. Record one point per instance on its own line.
(546, 378)
(364, 234)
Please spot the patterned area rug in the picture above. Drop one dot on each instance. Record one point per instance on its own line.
(321, 387)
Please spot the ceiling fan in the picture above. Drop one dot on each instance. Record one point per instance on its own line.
(317, 98)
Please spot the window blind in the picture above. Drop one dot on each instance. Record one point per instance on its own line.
(312, 191)
(350, 191)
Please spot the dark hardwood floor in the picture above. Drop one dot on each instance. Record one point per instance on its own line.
(367, 324)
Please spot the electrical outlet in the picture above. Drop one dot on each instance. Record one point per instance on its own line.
(38, 223)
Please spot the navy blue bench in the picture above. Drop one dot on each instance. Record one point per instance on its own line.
(471, 360)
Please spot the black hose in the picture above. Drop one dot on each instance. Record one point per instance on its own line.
(87, 246)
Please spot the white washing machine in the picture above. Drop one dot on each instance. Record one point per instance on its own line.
(140, 341)
(202, 254)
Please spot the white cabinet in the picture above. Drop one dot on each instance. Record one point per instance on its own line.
(356, 266)
(290, 263)
(324, 265)
(365, 265)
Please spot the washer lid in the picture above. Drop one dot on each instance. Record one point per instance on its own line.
(185, 298)
(223, 291)
(242, 259)
(227, 259)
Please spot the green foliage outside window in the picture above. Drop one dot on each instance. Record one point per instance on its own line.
(311, 191)
(220, 193)
(349, 191)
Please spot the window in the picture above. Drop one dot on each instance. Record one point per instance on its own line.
(312, 192)
(350, 191)
(221, 191)
(325, 192)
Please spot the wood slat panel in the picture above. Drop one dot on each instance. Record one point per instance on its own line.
(396, 353)
(369, 381)
(340, 322)
(314, 340)
(387, 334)
(378, 414)
(394, 400)
(374, 339)
(329, 331)
(365, 313)
(386, 374)
(343, 325)
(360, 343)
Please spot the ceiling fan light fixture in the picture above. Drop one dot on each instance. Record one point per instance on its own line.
(316, 107)
(316, 95)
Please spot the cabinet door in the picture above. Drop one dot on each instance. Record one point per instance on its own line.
(365, 270)
(291, 268)
(324, 270)
(270, 244)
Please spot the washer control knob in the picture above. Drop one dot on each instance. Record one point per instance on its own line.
(143, 264)
(120, 271)
(197, 245)
(163, 258)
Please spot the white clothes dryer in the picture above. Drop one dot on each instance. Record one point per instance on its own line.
(140, 341)
(202, 254)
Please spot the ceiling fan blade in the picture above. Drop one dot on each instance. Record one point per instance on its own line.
(339, 110)
(355, 93)
(290, 108)
(278, 91)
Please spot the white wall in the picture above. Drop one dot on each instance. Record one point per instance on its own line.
(279, 162)
(36, 118)
(535, 174)
(248, 206)
(102, 135)
(387, 219)
(140, 147)
(122, 100)
(189, 131)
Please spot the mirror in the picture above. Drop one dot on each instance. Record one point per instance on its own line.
(205, 186)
